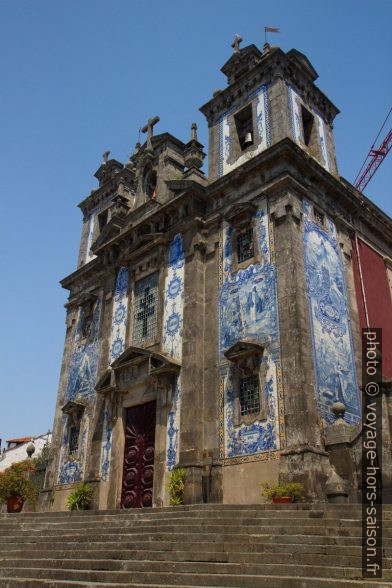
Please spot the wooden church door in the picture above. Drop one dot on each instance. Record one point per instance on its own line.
(138, 472)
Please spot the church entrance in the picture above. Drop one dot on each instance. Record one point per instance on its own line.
(138, 472)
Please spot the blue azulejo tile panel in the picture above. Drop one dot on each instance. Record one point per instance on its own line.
(71, 466)
(295, 103)
(227, 128)
(173, 426)
(248, 309)
(82, 371)
(262, 435)
(119, 316)
(333, 355)
(174, 300)
(106, 443)
(172, 339)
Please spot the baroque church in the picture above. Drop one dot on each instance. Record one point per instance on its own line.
(214, 322)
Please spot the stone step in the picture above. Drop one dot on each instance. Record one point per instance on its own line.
(262, 582)
(184, 538)
(174, 577)
(314, 558)
(197, 529)
(208, 522)
(140, 550)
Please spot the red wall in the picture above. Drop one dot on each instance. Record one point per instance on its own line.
(378, 298)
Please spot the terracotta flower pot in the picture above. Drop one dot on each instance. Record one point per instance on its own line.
(282, 499)
(14, 504)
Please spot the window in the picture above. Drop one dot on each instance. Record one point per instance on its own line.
(245, 247)
(74, 438)
(307, 124)
(103, 219)
(244, 126)
(249, 395)
(145, 309)
(318, 216)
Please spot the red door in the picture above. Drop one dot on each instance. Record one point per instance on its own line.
(138, 471)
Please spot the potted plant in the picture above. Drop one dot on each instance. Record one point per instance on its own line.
(177, 486)
(16, 486)
(81, 497)
(283, 493)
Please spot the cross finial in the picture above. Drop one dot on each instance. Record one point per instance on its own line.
(148, 128)
(106, 156)
(236, 43)
(194, 131)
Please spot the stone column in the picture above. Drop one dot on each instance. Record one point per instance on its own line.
(192, 380)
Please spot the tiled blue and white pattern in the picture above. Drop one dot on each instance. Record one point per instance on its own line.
(333, 356)
(172, 338)
(297, 128)
(248, 308)
(82, 374)
(174, 300)
(119, 316)
(106, 443)
(91, 226)
(323, 141)
(71, 469)
(227, 128)
(84, 360)
(173, 426)
(259, 436)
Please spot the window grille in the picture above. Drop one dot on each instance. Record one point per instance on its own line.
(245, 248)
(145, 309)
(249, 395)
(73, 439)
(319, 217)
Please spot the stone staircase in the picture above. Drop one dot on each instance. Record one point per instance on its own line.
(279, 546)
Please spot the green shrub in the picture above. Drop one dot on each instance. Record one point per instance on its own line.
(293, 489)
(14, 481)
(177, 486)
(80, 498)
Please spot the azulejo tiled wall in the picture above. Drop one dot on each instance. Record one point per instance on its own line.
(172, 337)
(82, 375)
(119, 316)
(71, 467)
(333, 356)
(248, 309)
(297, 129)
(106, 443)
(227, 128)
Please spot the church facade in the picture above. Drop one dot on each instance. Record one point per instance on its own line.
(214, 323)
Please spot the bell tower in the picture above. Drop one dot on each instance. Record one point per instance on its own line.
(270, 95)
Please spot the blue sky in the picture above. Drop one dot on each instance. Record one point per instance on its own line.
(79, 77)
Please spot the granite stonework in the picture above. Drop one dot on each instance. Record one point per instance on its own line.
(277, 327)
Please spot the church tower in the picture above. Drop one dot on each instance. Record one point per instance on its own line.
(215, 323)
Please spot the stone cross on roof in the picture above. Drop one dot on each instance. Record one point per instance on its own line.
(106, 156)
(148, 128)
(236, 43)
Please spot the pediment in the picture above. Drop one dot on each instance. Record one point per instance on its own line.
(243, 349)
(239, 213)
(73, 407)
(104, 383)
(109, 232)
(158, 362)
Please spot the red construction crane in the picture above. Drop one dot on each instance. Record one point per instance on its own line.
(376, 156)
